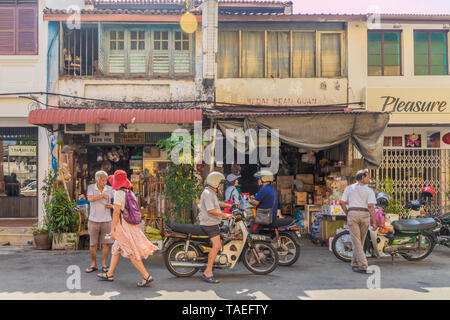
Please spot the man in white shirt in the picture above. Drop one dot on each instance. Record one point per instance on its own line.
(99, 224)
(358, 203)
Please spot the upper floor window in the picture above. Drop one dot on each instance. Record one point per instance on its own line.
(384, 56)
(430, 53)
(145, 51)
(19, 27)
(126, 50)
(280, 54)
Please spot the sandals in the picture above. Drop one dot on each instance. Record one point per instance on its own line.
(146, 281)
(105, 269)
(209, 279)
(105, 277)
(90, 269)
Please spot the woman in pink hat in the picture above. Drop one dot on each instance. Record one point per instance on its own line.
(130, 241)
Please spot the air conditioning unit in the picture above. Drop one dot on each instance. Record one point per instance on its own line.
(79, 128)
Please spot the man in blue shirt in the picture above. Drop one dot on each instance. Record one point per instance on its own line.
(266, 197)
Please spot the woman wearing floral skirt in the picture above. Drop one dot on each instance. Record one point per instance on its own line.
(130, 241)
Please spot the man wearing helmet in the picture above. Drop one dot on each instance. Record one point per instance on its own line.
(210, 218)
(266, 197)
(358, 203)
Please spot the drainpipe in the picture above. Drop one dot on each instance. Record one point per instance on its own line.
(209, 31)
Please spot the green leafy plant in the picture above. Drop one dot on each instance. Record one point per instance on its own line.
(60, 214)
(181, 183)
(39, 230)
(395, 205)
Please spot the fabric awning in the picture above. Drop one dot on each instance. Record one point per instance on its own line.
(318, 131)
(113, 116)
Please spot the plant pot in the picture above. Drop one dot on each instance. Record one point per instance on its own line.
(64, 241)
(42, 241)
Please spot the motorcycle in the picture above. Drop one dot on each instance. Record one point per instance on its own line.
(285, 234)
(442, 233)
(414, 239)
(186, 248)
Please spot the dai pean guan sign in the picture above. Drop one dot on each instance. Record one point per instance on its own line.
(411, 105)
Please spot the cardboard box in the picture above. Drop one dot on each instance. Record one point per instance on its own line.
(151, 153)
(339, 185)
(286, 196)
(306, 178)
(301, 198)
(308, 188)
(286, 210)
(318, 199)
(319, 190)
(285, 182)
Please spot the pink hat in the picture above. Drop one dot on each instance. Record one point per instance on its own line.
(119, 180)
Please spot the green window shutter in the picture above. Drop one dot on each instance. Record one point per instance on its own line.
(117, 51)
(137, 53)
(181, 53)
(161, 55)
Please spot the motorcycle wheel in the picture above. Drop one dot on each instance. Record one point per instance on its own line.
(342, 246)
(175, 253)
(289, 251)
(428, 240)
(266, 253)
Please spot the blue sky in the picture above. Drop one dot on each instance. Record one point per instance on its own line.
(361, 6)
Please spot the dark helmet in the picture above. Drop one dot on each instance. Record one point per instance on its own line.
(427, 192)
(382, 199)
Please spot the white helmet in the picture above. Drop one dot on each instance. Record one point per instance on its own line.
(214, 179)
(265, 175)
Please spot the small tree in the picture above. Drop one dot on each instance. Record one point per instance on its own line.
(395, 205)
(181, 183)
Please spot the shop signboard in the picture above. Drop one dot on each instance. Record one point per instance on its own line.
(101, 138)
(411, 105)
(132, 138)
(22, 151)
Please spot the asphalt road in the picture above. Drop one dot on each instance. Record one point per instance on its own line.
(32, 274)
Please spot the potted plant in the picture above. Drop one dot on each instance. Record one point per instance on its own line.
(41, 238)
(62, 221)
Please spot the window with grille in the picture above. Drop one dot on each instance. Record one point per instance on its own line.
(18, 27)
(80, 51)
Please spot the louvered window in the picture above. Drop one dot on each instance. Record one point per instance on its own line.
(18, 27)
(117, 51)
(142, 51)
(182, 57)
(161, 55)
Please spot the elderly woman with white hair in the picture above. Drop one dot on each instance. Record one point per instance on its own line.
(99, 224)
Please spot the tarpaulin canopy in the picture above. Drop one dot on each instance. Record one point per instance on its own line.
(318, 131)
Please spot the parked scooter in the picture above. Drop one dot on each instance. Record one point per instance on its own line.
(285, 235)
(413, 239)
(186, 248)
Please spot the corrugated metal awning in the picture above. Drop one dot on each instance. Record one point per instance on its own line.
(112, 116)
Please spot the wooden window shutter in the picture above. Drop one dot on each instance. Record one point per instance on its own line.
(27, 30)
(7, 30)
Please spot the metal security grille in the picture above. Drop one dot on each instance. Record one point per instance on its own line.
(412, 169)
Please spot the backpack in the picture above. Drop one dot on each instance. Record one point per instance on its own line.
(131, 213)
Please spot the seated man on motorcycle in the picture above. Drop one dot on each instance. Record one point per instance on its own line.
(266, 197)
(210, 218)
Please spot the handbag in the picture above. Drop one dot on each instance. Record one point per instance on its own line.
(264, 216)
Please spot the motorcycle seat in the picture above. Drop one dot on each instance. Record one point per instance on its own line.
(278, 223)
(188, 229)
(414, 224)
(284, 222)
